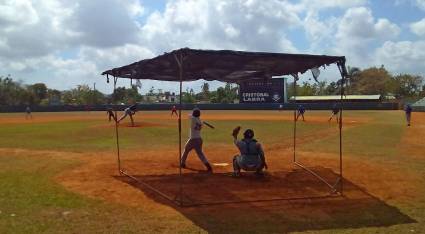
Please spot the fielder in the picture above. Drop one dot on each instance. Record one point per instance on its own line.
(111, 114)
(300, 112)
(251, 156)
(129, 111)
(408, 111)
(174, 111)
(28, 113)
(335, 111)
(195, 141)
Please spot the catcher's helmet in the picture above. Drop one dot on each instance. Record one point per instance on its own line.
(249, 133)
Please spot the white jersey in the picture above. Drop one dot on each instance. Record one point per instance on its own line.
(195, 127)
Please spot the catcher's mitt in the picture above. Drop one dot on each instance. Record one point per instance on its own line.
(236, 131)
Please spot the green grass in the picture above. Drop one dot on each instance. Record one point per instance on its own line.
(377, 138)
(32, 202)
(82, 136)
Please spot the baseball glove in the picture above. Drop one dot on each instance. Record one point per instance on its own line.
(236, 131)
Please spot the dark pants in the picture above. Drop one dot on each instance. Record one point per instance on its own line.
(111, 116)
(237, 165)
(195, 144)
(408, 117)
(302, 115)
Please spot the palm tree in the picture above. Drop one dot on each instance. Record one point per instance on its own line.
(205, 90)
(353, 73)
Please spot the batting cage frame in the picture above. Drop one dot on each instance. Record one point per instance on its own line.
(228, 66)
(337, 186)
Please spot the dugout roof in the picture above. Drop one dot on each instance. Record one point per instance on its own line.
(222, 65)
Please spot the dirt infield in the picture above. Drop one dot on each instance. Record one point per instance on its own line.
(290, 190)
(97, 177)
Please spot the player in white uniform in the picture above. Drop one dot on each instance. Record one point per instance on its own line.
(130, 111)
(195, 140)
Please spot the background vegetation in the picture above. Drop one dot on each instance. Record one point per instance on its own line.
(403, 87)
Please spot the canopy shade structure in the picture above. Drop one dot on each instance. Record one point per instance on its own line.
(228, 66)
(222, 65)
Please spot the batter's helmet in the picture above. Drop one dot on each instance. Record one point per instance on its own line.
(196, 112)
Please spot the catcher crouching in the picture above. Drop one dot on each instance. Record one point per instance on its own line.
(251, 156)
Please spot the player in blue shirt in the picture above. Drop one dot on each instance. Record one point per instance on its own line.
(300, 111)
(335, 111)
(408, 111)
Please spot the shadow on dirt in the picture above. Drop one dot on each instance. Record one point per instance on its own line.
(279, 202)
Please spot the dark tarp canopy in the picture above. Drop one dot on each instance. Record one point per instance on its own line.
(222, 65)
(228, 66)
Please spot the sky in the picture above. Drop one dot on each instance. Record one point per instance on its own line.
(70, 42)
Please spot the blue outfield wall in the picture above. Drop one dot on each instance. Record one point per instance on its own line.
(259, 106)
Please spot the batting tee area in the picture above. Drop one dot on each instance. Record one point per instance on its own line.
(230, 66)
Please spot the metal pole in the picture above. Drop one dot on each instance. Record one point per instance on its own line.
(343, 73)
(116, 132)
(295, 115)
(180, 64)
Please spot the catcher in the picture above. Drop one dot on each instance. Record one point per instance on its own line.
(251, 156)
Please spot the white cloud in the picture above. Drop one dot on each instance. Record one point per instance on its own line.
(418, 28)
(31, 29)
(420, 4)
(219, 24)
(357, 30)
(320, 4)
(319, 33)
(359, 23)
(69, 42)
(105, 23)
(385, 29)
(34, 34)
(402, 56)
(17, 11)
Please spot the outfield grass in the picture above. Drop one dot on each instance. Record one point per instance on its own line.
(32, 153)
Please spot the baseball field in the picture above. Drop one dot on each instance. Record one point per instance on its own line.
(59, 174)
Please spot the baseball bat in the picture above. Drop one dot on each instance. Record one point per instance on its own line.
(209, 125)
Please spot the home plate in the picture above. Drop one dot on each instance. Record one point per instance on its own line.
(221, 164)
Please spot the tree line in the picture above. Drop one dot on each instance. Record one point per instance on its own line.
(373, 80)
(15, 93)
